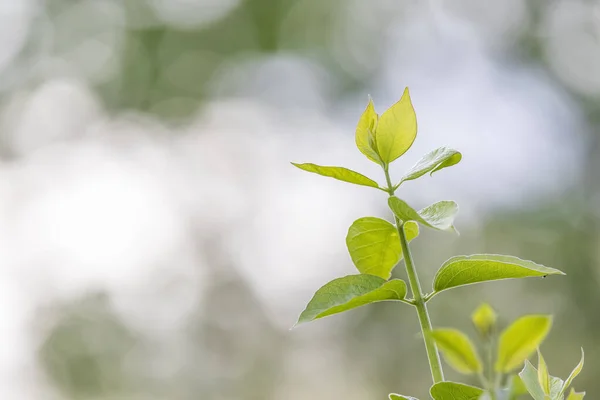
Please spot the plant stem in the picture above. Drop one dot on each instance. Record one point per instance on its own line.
(432, 354)
(489, 349)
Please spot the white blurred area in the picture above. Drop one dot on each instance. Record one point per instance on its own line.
(119, 202)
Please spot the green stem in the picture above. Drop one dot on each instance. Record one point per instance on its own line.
(432, 354)
(489, 349)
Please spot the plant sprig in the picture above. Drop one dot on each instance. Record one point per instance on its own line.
(376, 246)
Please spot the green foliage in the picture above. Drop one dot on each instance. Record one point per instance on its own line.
(455, 391)
(484, 319)
(384, 139)
(438, 216)
(365, 133)
(339, 173)
(466, 270)
(436, 160)
(520, 340)
(374, 245)
(542, 386)
(396, 129)
(516, 387)
(529, 376)
(543, 375)
(574, 373)
(575, 396)
(349, 292)
(516, 343)
(458, 350)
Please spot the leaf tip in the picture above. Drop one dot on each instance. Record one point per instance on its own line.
(297, 324)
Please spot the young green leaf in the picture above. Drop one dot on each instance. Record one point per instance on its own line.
(374, 245)
(484, 319)
(575, 396)
(529, 376)
(556, 385)
(435, 160)
(365, 133)
(574, 373)
(455, 391)
(438, 216)
(466, 270)
(520, 339)
(396, 129)
(394, 396)
(543, 375)
(349, 292)
(457, 350)
(339, 173)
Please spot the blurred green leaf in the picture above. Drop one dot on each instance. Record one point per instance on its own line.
(466, 270)
(455, 391)
(520, 340)
(574, 373)
(436, 160)
(350, 292)
(374, 245)
(438, 216)
(394, 396)
(365, 133)
(575, 396)
(339, 173)
(484, 319)
(458, 350)
(396, 129)
(543, 375)
(529, 376)
(516, 387)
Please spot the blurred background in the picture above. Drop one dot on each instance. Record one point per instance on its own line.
(155, 242)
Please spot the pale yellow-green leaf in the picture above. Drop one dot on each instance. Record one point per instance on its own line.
(455, 391)
(438, 216)
(543, 374)
(466, 270)
(433, 161)
(573, 395)
(484, 319)
(365, 133)
(374, 245)
(458, 350)
(396, 129)
(529, 376)
(556, 385)
(339, 173)
(350, 292)
(520, 340)
(574, 373)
